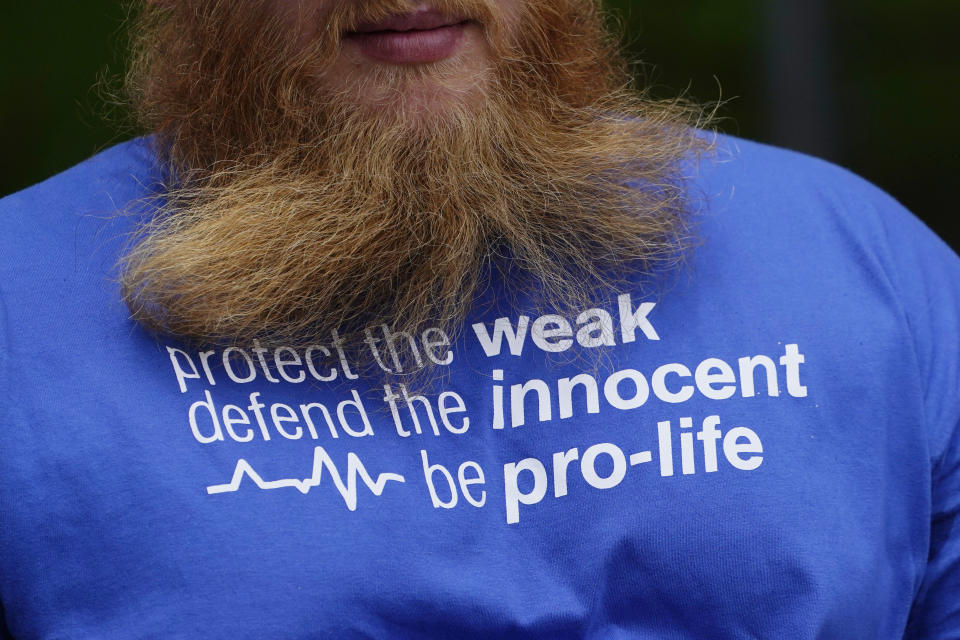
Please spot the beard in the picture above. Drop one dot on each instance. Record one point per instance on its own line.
(297, 202)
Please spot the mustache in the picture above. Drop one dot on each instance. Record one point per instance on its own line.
(350, 16)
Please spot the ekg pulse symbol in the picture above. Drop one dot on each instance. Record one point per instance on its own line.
(321, 459)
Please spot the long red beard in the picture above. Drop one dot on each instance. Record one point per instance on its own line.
(289, 213)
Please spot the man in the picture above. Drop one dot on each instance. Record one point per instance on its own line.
(440, 331)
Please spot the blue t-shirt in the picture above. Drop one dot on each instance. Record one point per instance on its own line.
(767, 447)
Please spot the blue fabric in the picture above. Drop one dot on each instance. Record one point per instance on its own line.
(769, 450)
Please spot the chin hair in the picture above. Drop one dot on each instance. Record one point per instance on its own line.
(291, 213)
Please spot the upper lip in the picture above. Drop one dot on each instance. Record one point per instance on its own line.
(416, 21)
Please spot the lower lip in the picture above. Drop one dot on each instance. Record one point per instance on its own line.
(410, 47)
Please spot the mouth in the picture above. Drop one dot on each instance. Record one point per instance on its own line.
(419, 37)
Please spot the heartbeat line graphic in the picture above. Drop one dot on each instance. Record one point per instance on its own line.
(320, 460)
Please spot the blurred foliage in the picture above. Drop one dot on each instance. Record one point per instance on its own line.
(52, 56)
(890, 83)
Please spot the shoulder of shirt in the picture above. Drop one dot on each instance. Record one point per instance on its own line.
(803, 203)
(755, 179)
(774, 168)
(72, 222)
(776, 203)
(104, 182)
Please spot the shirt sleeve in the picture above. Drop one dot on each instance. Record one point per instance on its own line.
(936, 609)
(927, 274)
(4, 394)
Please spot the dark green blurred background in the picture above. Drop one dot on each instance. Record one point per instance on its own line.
(872, 86)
